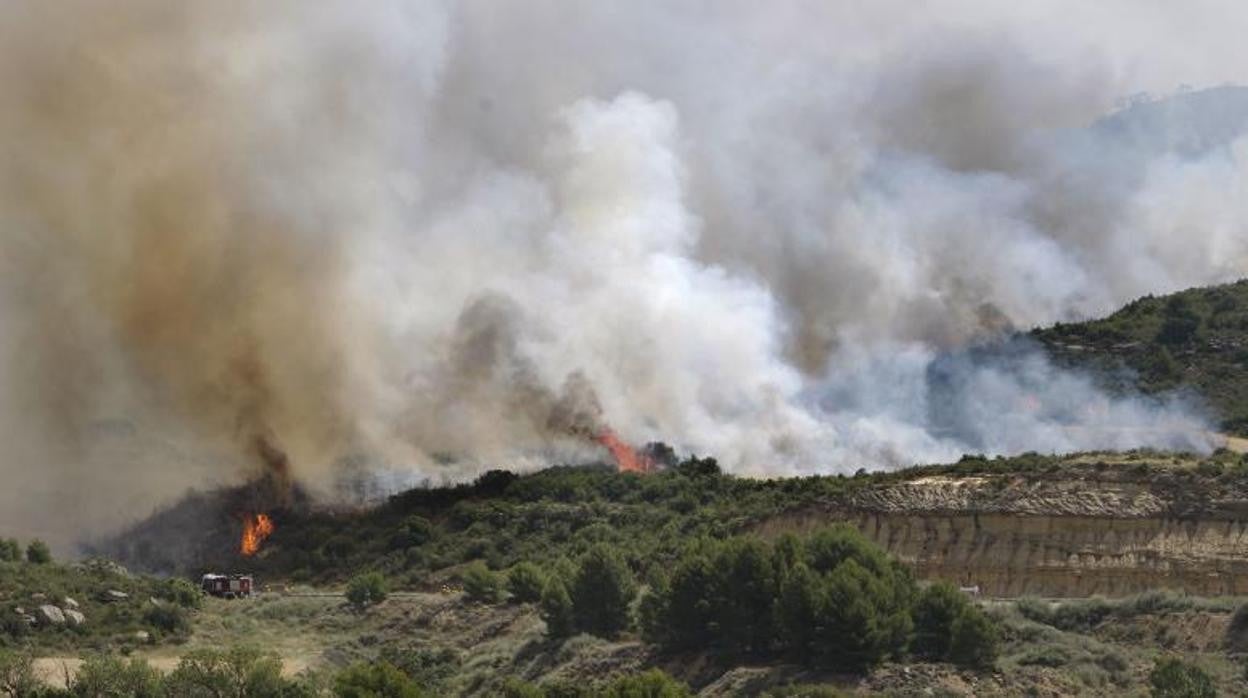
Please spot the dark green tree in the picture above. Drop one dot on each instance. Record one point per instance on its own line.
(746, 591)
(418, 530)
(855, 619)
(688, 602)
(937, 608)
(38, 552)
(601, 592)
(797, 609)
(973, 639)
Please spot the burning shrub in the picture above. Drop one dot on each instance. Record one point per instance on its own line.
(368, 589)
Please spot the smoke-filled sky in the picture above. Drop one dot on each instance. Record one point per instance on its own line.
(405, 232)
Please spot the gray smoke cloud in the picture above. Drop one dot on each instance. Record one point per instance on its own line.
(411, 231)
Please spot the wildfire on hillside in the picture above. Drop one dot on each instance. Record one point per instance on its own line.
(627, 458)
(256, 527)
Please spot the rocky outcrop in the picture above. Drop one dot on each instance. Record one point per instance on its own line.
(51, 615)
(1055, 534)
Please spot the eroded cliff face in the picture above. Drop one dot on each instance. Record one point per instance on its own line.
(1102, 530)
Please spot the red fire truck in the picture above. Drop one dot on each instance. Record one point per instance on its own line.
(231, 586)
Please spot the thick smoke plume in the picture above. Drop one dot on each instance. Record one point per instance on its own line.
(280, 236)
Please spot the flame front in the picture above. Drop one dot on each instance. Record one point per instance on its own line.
(255, 529)
(626, 457)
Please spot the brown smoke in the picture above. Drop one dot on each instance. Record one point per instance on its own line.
(159, 230)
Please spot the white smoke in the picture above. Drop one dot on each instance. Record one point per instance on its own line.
(763, 233)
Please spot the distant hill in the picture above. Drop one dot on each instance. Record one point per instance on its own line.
(1196, 340)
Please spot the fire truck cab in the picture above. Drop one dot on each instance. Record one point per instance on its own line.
(226, 586)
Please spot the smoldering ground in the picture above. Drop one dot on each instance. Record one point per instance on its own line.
(397, 229)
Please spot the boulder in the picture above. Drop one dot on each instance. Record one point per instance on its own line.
(51, 615)
(39, 596)
(113, 595)
(102, 567)
(68, 602)
(143, 636)
(74, 617)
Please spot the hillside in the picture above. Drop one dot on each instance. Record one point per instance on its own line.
(1030, 527)
(1099, 523)
(1196, 340)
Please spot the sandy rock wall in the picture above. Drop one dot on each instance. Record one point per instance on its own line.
(1015, 536)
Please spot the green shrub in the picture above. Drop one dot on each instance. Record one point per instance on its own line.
(973, 642)
(38, 553)
(167, 618)
(367, 589)
(418, 531)
(556, 609)
(379, 680)
(649, 684)
(601, 593)
(804, 691)
(525, 582)
(107, 677)
(17, 674)
(1046, 655)
(1237, 630)
(182, 592)
(481, 584)
(1174, 678)
(10, 550)
(429, 667)
(237, 671)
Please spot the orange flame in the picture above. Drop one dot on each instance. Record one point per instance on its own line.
(255, 530)
(626, 457)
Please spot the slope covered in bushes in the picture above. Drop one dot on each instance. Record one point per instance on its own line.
(1196, 340)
